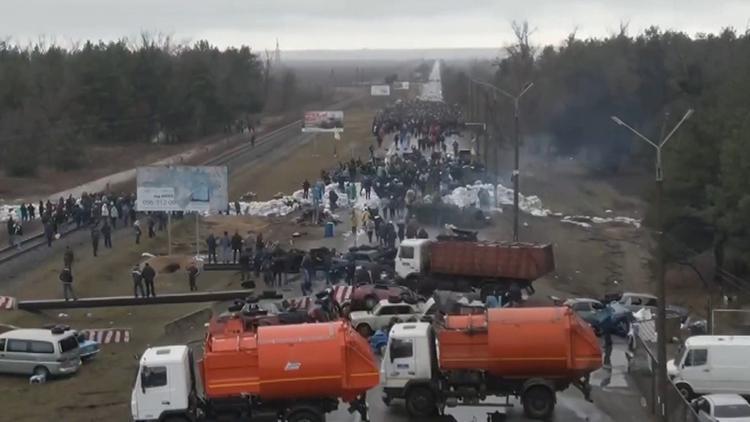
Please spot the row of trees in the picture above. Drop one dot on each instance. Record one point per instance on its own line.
(649, 81)
(56, 101)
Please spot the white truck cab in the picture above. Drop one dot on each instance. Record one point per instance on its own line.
(163, 385)
(409, 360)
(413, 257)
(712, 364)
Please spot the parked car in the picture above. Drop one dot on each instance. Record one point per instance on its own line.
(381, 316)
(88, 348)
(39, 351)
(722, 408)
(613, 317)
(366, 296)
(637, 301)
(712, 365)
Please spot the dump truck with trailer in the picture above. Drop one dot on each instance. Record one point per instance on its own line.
(292, 373)
(460, 265)
(529, 353)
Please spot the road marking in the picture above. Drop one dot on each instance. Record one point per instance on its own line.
(107, 335)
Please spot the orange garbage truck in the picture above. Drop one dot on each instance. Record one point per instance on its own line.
(530, 353)
(291, 373)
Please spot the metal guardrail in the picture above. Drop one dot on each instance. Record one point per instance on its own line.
(642, 367)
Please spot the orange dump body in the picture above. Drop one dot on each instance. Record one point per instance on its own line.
(521, 261)
(520, 343)
(288, 361)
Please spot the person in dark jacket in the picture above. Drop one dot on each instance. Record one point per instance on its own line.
(422, 234)
(192, 271)
(68, 258)
(49, 233)
(305, 189)
(137, 281)
(236, 246)
(211, 244)
(95, 238)
(245, 265)
(333, 198)
(149, 275)
(66, 276)
(107, 233)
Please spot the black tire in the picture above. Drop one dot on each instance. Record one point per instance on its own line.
(420, 402)
(538, 402)
(305, 416)
(370, 302)
(685, 391)
(41, 370)
(364, 330)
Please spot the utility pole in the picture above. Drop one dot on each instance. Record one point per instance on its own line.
(516, 145)
(661, 291)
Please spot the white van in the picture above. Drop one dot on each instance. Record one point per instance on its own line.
(712, 364)
(39, 351)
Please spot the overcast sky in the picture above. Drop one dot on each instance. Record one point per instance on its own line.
(354, 24)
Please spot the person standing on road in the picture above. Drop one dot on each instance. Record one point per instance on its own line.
(149, 275)
(66, 276)
(95, 238)
(24, 213)
(211, 244)
(107, 233)
(114, 215)
(125, 213)
(11, 224)
(49, 233)
(151, 225)
(137, 229)
(236, 246)
(192, 271)
(237, 208)
(105, 212)
(245, 264)
(68, 257)
(370, 229)
(132, 215)
(30, 209)
(225, 243)
(137, 281)
(305, 189)
(307, 269)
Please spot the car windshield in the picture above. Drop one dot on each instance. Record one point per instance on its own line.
(738, 410)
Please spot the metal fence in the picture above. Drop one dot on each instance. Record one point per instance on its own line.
(642, 367)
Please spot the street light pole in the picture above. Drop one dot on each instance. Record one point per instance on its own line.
(517, 145)
(661, 317)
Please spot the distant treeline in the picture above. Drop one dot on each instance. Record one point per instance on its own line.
(54, 101)
(649, 81)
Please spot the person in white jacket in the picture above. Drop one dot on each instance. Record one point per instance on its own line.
(113, 215)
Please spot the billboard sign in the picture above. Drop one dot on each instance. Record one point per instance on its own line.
(380, 90)
(324, 121)
(401, 86)
(182, 188)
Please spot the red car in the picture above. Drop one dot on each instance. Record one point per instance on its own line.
(366, 296)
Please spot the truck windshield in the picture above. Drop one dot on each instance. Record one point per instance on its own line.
(406, 252)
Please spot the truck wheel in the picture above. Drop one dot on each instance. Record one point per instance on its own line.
(686, 391)
(304, 416)
(420, 402)
(364, 330)
(538, 402)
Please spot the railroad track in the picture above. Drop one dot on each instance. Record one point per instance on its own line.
(241, 154)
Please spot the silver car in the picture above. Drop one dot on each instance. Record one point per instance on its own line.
(39, 351)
